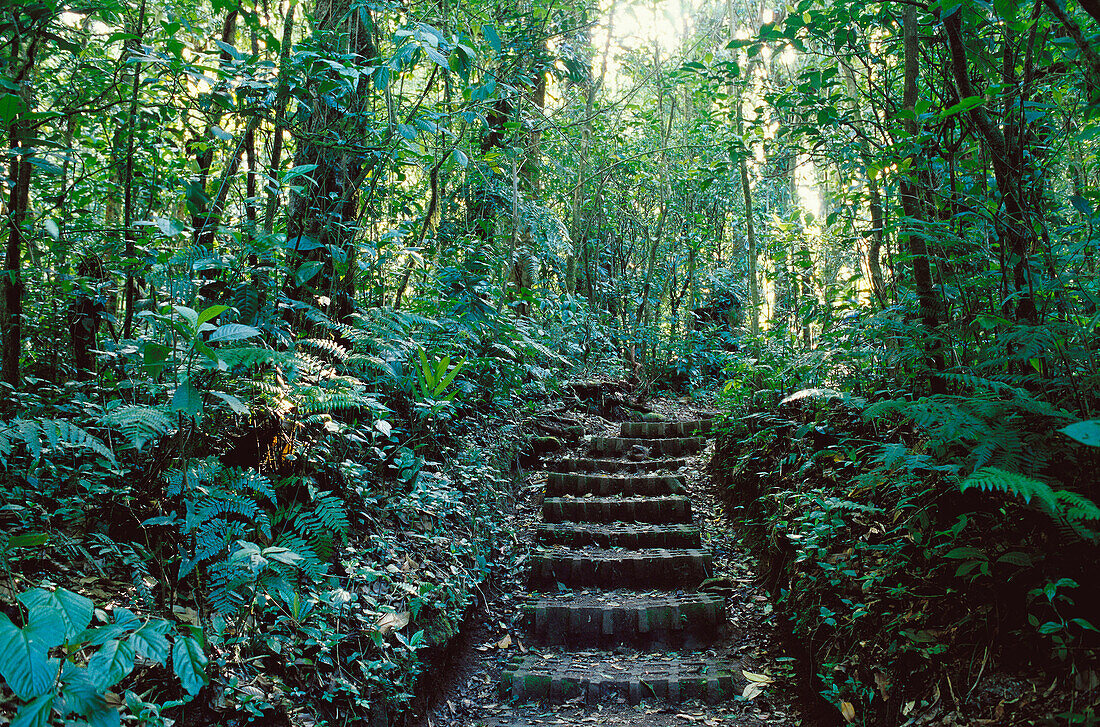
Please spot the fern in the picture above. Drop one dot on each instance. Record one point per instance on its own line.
(131, 555)
(57, 434)
(139, 424)
(1071, 509)
(251, 357)
(249, 479)
(313, 399)
(311, 564)
(1077, 507)
(320, 526)
(1026, 488)
(325, 345)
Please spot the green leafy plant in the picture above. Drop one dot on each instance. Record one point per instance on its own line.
(60, 664)
(434, 378)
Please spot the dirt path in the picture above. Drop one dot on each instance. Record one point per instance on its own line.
(758, 690)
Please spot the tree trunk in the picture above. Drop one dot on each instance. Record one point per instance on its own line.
(130, 292)
(874, 235)
(325, 217)
(913, 206)
(1009, 171)
(20, 67)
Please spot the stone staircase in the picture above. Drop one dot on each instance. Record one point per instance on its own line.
(616, 608)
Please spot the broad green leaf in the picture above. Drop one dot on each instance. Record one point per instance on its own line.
(235, 404)
(187, 398)
(959, 553)
(188, 662)
(453, 373)
(109, 665)
(79, 694)
(36, 713)
(233, 332)
(169, 227)
(302, 243)
(23, 662)
(491, 36)
(28, 540)
(307, 270)
(125, 618)
(189, 315)
(1086, 432)
(46, 625)
(1007, 9)
(210, 354)
(968, 103)
(282, 555)
(1016, 558)
(75, 610)
(11, 105)
(209, 314)
(302, 170)
(438, 58)
(150, 640)
(154, 357)
(1081, 204)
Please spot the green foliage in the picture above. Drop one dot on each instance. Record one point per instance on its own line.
(49, 437)
(61, 622)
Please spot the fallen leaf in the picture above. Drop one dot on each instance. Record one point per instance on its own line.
(188, 615)
(505, 642)
(759, 678)
(388, 622)
(752, 690)
(883, 684)
(847, 711)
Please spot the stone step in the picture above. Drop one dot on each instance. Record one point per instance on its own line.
(644, 619)
(618, 535)
(658, 510)
(580, 483)
(598, 676)
(660, 568)
(589, 464)
(661, 430)
(654, 447)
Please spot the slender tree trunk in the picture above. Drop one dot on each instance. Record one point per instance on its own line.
(128, 189)
(750, 234)
(654, 243)
(282, 94)
(18, 198)
(913, 206)
(19, 71)
(746, 194)
(874, 236)
(1008, 170)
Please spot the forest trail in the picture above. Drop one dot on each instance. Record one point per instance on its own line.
(627, 614)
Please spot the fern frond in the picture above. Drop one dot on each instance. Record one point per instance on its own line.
(1013, 483)
(251, 480)
(57, 433)
(251, 357)
(139, 424)
(1076, 507)
(327, 346)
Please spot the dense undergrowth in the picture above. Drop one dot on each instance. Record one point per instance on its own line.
(934, 554)
(268, 532)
